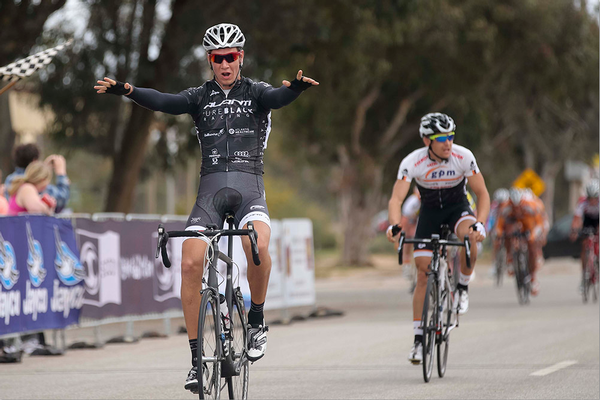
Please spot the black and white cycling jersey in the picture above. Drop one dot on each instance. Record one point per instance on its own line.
(441, 184)
(233, 127)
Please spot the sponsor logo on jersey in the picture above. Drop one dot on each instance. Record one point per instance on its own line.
(213, 133)
(214, 157)
(241, 131)
(464, 213)
(421, 245)
(421, 161)
(195, 220)
(213, 93)
(457, 155)
(440, 173)
(257, 207)
(243, 153)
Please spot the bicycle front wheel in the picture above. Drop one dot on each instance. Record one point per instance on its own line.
(209, 345)
(522, 276)
(237, 384)
(429, 321)
(588, 273)
(443, 339)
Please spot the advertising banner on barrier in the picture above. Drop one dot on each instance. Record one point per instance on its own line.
(299, 261)
(122, 276)
(40, 274)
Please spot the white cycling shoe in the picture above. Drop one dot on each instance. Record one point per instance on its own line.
(416, 353)
(257, 342)
(461, 301)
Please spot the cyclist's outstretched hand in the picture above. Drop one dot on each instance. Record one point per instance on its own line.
(301, 83)
(113, 87)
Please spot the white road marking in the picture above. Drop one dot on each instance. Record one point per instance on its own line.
(554, 368)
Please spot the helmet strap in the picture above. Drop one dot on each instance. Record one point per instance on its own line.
(433, 152)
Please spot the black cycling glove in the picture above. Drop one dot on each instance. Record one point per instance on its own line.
(299, 86)
(118, 89)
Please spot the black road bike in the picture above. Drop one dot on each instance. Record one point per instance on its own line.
(439, 317)
(520, 260)
(590, 275)
(222, 339)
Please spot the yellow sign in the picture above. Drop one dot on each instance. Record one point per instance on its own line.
(529, 179)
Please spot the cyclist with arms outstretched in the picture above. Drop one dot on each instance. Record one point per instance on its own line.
(441, 170)
(232, 115)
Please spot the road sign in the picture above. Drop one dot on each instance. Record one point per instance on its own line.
(529, 179)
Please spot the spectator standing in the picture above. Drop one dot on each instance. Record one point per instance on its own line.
(24, 155)
(25, 190)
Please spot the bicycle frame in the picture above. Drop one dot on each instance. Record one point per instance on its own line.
(230, 365)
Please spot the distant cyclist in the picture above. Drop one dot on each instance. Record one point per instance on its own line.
(441, 170)
(232, 115)
(523, 214)
(586, 214)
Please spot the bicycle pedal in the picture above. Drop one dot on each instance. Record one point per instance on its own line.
(415, 362)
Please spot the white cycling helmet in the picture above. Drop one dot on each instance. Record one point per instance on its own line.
(223, 36)
(592, 189)
(501, 195)
(433, 123)
(516, 195)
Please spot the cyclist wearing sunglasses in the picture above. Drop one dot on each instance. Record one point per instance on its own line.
(232, 115)
(441, 170)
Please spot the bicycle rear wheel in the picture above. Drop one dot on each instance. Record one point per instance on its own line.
(588, 272)
(209, 345)
(443, 339)
(429, 321)
(237, 384)
(522, 277)
(500, 265)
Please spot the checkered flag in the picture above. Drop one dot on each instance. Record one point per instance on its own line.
(27, 66)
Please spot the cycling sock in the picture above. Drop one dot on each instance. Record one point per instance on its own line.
(255, 315)
(417, 329)
(464, 279)
(463, 287)
(194, 349)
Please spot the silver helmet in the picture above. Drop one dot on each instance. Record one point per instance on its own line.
(223, 36)
(433, 123)
(592, 189)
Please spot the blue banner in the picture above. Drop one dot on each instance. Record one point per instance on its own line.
(41, 276)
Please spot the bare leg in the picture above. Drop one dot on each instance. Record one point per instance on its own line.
(192, 268)
(258, 276)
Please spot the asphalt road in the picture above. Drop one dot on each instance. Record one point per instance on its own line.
(548, 349)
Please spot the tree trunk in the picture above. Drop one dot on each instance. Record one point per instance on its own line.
(128, 162)
(360, 199)
(7, 137)
(550, 170)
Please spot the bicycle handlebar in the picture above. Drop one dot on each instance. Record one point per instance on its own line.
(163, 238)
(435, 239)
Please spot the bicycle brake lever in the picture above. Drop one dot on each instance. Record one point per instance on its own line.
(400, 245)
(253, 235)
(468, 251)
(163, 238)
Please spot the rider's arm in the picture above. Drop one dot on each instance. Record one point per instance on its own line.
(272, 99)
(164, 102)
(399, 193)
(477, 184)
